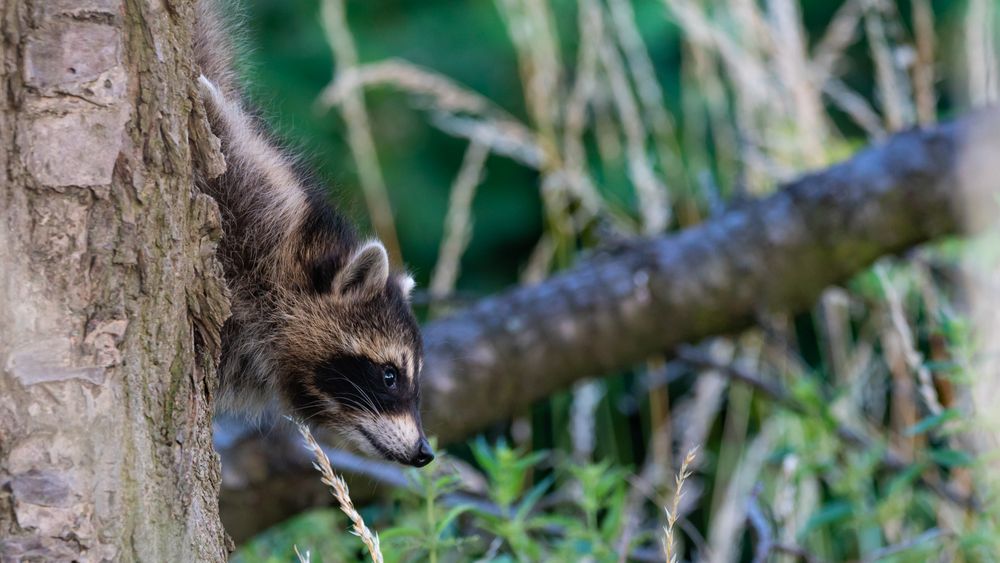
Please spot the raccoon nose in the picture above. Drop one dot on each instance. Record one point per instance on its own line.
(424, 454)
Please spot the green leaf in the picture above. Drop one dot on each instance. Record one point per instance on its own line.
(905, 479)
(400, 532)
(951, 458)
(533, 496)
(831, 512)
(450, 517)
(932, 422)
(947, 366)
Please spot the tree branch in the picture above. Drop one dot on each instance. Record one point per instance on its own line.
(613, 310)
(775, 254)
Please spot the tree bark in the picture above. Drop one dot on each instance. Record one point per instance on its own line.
(111, 299)
(647, 297)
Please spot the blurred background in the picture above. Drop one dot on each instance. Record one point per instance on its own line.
(495, 143)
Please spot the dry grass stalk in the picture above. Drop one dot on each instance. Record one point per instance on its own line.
(359, 134)
(750, 26)
(505, 138)
(648, 90)
(981, 52)
(532, 31)
(539, 262)
(914, 359)
(856, 107)
(444, 93)
(674, 510)
(792, 66)
(587, 397)
(840, 34)
(729, 519)
(338, 487)
(694, 135)
(581, 96)
(458, 222)
(923, 68)
(446, 99)
(530, 27)
(892, 88)
(606, 133)
(746, 71)
(652, 194)
(307, 558)
(738, 130)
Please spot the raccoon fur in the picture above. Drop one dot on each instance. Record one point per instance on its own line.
(321, 328)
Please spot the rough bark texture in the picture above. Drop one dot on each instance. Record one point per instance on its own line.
(111, 299)
(609, 312)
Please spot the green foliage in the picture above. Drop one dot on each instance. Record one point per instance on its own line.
(425, 528)
(577, 512)
(519, 519)
(320, 532)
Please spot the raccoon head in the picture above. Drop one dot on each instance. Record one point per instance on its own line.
(358, 356)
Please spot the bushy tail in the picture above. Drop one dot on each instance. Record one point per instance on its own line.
(215, 44)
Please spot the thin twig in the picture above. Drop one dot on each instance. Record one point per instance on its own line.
(772, 391)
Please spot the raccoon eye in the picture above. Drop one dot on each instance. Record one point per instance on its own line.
(389, 376)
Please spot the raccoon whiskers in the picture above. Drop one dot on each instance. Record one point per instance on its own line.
(373, 410)
(311, 405)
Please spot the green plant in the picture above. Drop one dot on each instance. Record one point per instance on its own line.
(426, 528)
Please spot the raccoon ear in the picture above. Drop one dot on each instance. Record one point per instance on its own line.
(365, 274)
(406, 285)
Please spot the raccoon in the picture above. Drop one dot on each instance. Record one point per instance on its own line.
(321, 327)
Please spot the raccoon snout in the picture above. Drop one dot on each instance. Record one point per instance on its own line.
(424, 454)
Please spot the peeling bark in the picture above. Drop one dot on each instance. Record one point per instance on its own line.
(111, 298)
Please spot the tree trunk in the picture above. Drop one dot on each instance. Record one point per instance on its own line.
(111, 299)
